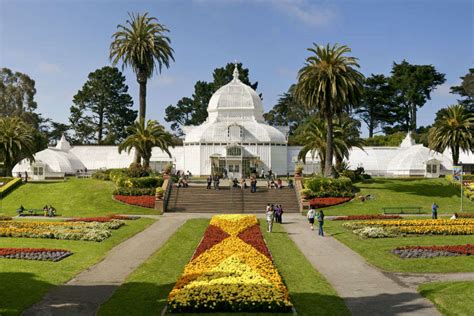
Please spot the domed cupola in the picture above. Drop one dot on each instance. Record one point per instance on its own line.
(235, 101)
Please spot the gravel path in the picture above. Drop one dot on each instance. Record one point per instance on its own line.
(365, 289)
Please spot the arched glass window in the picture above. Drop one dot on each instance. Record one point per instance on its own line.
(234, 151)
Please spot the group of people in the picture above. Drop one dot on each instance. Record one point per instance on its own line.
(273, 213)
(312, 215)
(48, 211)
(213, 181)
(272, 184)
(25, 179)
(183, 178)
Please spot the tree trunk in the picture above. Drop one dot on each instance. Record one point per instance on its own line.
(329, 146)
(455, 153)
(413, 118)
(142, 111)
(371, 128)
(8, 169)
(101, 125)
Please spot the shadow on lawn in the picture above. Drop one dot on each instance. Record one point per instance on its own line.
(19, 290)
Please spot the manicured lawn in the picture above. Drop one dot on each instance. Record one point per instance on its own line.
(24, 282)
(451, 298)
(377, 251)
(146, 290)
(74, 197)
(404, 192)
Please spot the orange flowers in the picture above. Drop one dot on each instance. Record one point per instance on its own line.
(231, 271)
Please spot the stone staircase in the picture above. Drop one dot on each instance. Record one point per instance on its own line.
(198, 199)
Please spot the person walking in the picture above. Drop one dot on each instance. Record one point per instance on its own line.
(434, 211)
(277, 213)
(270, 215)
(310, 215)
(320, 218)
(281, 214)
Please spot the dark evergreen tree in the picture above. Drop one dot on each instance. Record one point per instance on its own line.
(102, 108)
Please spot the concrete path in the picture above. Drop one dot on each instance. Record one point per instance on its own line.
(366, 290)
(84, 294)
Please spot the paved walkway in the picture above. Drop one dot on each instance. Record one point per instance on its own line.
(84, 294)
(366, 290)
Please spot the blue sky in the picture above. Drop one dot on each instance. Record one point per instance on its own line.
(59, 42)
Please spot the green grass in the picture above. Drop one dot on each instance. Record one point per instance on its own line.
(451, 298)
(24, 282)
(404, 192)
(74, 197)
(146, 290)
(377, 251)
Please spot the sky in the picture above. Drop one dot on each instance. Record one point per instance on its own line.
(58, 43)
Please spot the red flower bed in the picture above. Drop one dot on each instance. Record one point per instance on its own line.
(461, 249)
(140, 200)
(125, 217)
(42, 254)
(253, 236)
(363, 217)
(212, 236)
(328, 201)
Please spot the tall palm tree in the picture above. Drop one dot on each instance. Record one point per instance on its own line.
(453, 130)
(16, 142)
(143, 138)
(312, 134)
(141, 44)
(329, 83)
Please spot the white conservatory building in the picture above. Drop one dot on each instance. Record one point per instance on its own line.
(236, 139)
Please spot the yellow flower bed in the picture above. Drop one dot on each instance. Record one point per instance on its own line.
(416, 226)
(230, 276)
(90, 231)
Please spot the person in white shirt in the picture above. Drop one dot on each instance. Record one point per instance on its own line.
(311, 215)
(270, 215)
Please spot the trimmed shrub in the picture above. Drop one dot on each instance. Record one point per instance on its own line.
(134, 191)
(327, 187)
(101, 175)
(7, 188)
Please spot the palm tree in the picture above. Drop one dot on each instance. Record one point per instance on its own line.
(346, 136)
(16, 142)
(330, 84)
(313, 135)
(142, 45)
(453, 130)
(143, 138)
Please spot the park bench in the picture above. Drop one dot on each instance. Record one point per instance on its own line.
(402, 210)
(29, 212)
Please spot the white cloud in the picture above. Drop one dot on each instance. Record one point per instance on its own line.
(305, 11)
(49, 68)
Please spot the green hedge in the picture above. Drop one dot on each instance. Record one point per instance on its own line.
(144, 182)
(134, 191)
(4, 190)
(328, 187)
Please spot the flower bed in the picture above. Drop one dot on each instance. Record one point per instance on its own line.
(140, 200)
(103, 219)
(465, 215)
(365, 217)
(92, 231)
(5, 218)
(434, 251)
(390, 228)
(328, 201)
(41, 254)
(231, 271)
